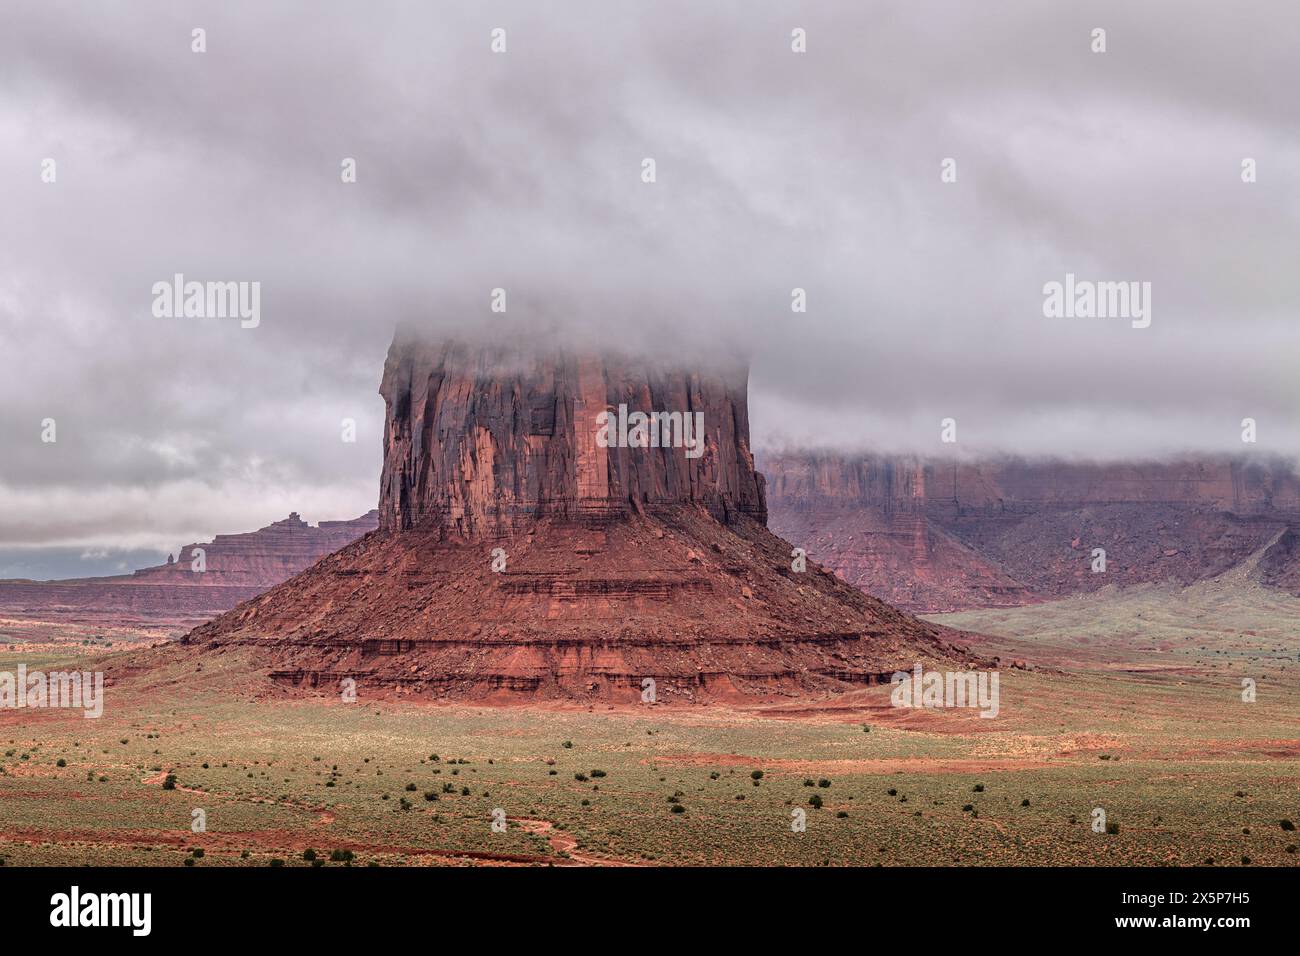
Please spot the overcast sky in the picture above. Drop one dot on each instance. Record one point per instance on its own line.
(523, 170)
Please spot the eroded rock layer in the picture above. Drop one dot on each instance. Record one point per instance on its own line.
(703, 609)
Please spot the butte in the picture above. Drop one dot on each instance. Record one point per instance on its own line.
(617, 566)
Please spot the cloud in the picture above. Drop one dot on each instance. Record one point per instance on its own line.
(775, 170)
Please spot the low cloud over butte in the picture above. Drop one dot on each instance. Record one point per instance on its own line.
(523, 170)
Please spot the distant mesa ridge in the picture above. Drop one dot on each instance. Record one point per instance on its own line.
(262, 558)
(237, 567)
(905, 483)
(930, 534)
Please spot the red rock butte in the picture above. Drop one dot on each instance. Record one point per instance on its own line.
(617, 565)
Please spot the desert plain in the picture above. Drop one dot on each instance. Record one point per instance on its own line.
(1125, 700)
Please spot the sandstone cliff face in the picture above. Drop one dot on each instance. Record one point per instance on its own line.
(931, 535)
(478, 441)
(930, 484)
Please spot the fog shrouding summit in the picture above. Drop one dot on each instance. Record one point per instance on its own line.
(523, 170)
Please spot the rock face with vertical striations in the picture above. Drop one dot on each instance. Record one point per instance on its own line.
(479, 441)
(935, 535)
(520, 553)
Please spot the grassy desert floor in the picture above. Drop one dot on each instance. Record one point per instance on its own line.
(1132, 703)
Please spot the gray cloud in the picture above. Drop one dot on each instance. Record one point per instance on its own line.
(775, 170)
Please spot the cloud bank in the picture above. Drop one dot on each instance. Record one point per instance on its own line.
(523, 170)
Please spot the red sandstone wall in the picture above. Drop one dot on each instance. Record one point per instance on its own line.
(477, 440)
